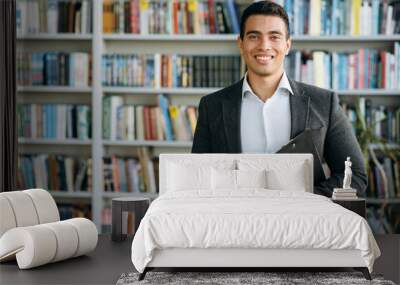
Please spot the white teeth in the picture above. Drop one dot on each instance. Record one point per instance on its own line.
(264, 57)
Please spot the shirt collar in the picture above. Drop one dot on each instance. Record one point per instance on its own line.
(283, 84)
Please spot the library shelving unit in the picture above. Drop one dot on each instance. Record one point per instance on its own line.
(99, 43)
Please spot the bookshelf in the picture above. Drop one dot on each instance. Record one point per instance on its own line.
(152, 143)
(53, 89)
(98, 44)
(233, 38)
(115, 195)
(77, 194)
(383, 201)
(205, 91)
(55, 37)
(54, 141)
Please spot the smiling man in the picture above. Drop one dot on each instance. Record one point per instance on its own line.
(265, 110)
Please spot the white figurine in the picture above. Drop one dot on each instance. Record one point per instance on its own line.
(347, 174)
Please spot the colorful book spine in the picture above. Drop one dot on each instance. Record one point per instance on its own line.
(54, 172)
(366, 69)
(54, 121)
(172, 16)
(53, 68)
(130, 174)
(157, 70)
(53, 16)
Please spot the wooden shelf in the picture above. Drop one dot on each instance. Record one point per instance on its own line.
(148, 143)
(233, 37)
(168, 37)
(350, 39)
(180, 90)
(204, 91)
(368, 92)
(54, 89)
(380, 146)
(383, 201)
(54, 141)
(55, 37)
(149, 90)
(152, 143)
(129, 194)
(66, 194)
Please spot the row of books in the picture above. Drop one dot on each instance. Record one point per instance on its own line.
(313, 17)
(69, 211)
(53, 68)
(131, 174)
(140, 122)
(341, 17)
(157, 70)
(363, 69)
(54, 121)
(127, 220)
(53, 16)
(384, 220)
(384, 177)
(384, 121)
(366, 68)
(172, 16)
(140, 174)
(54, 172)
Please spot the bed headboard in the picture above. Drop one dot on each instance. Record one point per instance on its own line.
(280, 162)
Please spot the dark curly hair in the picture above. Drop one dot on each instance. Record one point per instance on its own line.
(267, 8)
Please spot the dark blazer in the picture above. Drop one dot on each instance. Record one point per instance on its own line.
(218, 130)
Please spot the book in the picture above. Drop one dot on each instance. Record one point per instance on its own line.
(344, 198)
(342, 191)
(53, 68)
(54, 172)
(53, 16)
(54, 121)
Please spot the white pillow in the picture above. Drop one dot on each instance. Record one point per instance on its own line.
(251, 178)
(183, 178)
(236, 179)
(280, 174)
(292, 180)
(193, 174)
(223, 179)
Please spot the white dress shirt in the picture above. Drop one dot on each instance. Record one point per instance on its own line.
(265, 127)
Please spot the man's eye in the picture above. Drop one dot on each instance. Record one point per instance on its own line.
(253, 37)
(275, 38)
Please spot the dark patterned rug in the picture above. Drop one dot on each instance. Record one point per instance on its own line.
(229, 278)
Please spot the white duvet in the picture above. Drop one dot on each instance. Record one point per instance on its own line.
(253, 218)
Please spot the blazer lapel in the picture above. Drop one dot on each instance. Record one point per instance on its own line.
(299, 109)
(231, 107)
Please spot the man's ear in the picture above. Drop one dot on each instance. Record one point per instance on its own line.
(239, 43)
(288, 45)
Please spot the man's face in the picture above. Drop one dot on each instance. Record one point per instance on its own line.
(264, 45)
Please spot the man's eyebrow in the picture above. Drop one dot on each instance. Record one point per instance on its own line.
(258, 32)
(253, 32)
(275, 32)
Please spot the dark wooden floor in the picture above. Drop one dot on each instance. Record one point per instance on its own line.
(389, 262)
(110, 260)
(103, 266)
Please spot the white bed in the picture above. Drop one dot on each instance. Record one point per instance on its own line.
(219, 210)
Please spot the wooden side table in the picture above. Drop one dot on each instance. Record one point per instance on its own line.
(137, 205)
(357, 205)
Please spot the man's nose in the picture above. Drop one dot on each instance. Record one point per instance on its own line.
(265, 43)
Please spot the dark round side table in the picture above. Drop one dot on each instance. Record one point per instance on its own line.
(121, 206)
(356, 205)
